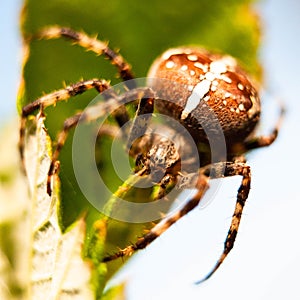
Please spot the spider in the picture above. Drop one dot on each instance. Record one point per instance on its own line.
(202, 85)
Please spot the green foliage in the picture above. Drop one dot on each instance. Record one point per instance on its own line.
(142, 30)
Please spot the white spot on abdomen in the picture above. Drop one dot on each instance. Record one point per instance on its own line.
(184, 68)
(170, 64)
(200, 90)
(192, 57)
(218, 67)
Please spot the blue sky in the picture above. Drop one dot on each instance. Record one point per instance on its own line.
(10, 58)
(265, 262)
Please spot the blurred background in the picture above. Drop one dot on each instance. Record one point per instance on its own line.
(265, 262)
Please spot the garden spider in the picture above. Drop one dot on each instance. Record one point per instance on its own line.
(202, 85)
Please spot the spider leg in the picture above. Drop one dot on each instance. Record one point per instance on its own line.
(161, 227)
(52, 99)
(263, 141)
(108, 130)
(140, 122)
(90, 114)
(142, 118)
(90, 43)
(233, 169)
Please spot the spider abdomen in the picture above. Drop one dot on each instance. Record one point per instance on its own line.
(194, 78)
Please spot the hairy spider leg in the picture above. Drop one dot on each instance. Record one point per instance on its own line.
(142, 118)
(52, 99)
(161, 227)
(205, 173)
(233, 169)
(89, 43)
(92, 113)
(263, 141)
(108, 130)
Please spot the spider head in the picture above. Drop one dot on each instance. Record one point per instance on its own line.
(162, 158)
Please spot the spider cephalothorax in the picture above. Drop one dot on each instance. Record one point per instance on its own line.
(208, 95)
